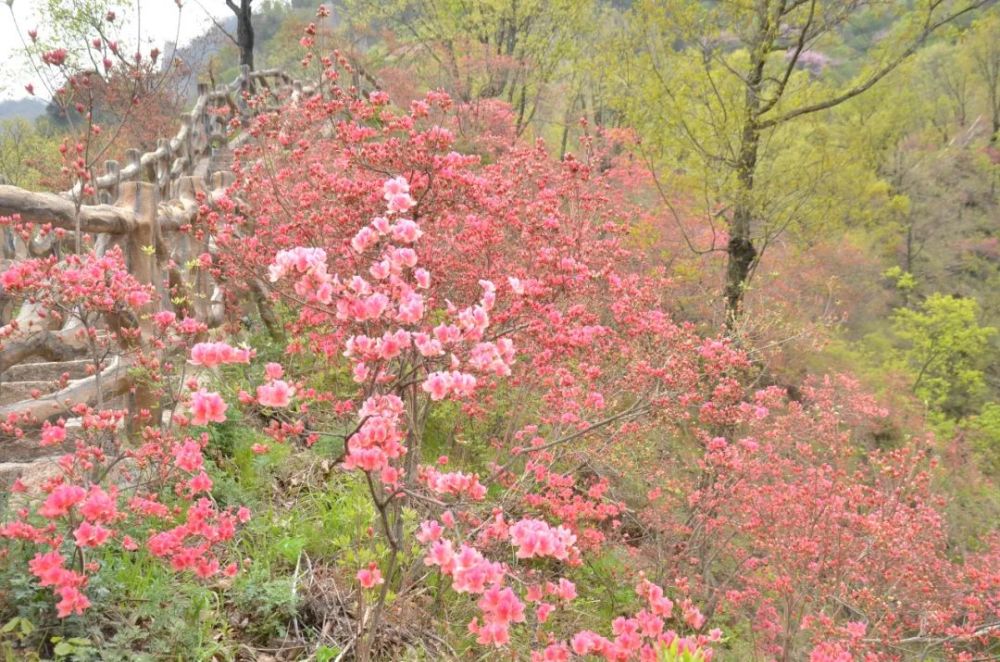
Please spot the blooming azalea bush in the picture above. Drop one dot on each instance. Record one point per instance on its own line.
(144, 491)
(403, 364)
(123, 480)
(513, 285)
(821, 552)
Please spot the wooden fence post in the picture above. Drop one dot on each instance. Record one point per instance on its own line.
(110, 195)
(134, 158)
(187, 143)
(161, 168)
(140, 253)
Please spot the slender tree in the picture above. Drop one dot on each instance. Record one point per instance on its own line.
(986, 55)
(244, 30)
(752, 66)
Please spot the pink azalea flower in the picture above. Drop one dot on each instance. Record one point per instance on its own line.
(73, 602)
(61, 499)
(207, 407)
(371, 576)
(91, 535)
(277, 394)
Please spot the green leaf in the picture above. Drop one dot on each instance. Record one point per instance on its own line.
(326, 653)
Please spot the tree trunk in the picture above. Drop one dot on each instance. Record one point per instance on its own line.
(244, 30)
(740, 252)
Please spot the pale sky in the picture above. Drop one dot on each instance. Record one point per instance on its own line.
(159, 22)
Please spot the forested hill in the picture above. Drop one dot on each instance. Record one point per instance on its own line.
(548, 330)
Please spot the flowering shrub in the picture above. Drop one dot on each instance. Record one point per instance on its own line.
(788, 526)
(150, 497)
(141, 492)
(514, 282)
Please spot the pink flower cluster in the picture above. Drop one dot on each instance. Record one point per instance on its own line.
(50, 570)
(370, 577)
(364, 349)
(309, 264)
(55, 58)
(500, 608)
(495, 358)
(469, 570)
(377, 440)
(96, 507)
(299, 260)
(277, 392)
(642, 636)
(659, 604)
(188, 545)
(61, 500)
(188, 457)
(455, 483)
(211, 354)
(79, 285)
(53, 434)
(396, 192)
(441, 384)
(207, 407)
(533, 537)
(430, 531)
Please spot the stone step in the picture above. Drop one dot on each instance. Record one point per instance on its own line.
(26, 459)
(28, 448)
(14, 392)
(33, 473)
(11, 392)
(46, 370)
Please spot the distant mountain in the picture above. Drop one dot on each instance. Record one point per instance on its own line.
(27, 108)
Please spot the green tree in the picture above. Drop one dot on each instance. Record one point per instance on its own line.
(26, 156)
(719, 84)
(507, 49)
(943, 347)
(985, 48)
(949, 81)
(986, 437)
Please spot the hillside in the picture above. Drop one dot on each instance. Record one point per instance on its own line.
(27, 109)
(543, 331)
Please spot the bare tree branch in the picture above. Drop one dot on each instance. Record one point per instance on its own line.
(930, 26)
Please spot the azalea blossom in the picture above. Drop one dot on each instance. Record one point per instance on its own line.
(207, 407)
(370, 577)
(276, 393)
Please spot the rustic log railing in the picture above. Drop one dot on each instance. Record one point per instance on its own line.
(155, 193)
(141, 206)
(201, 130)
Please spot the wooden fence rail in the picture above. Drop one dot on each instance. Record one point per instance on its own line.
(141, 206)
